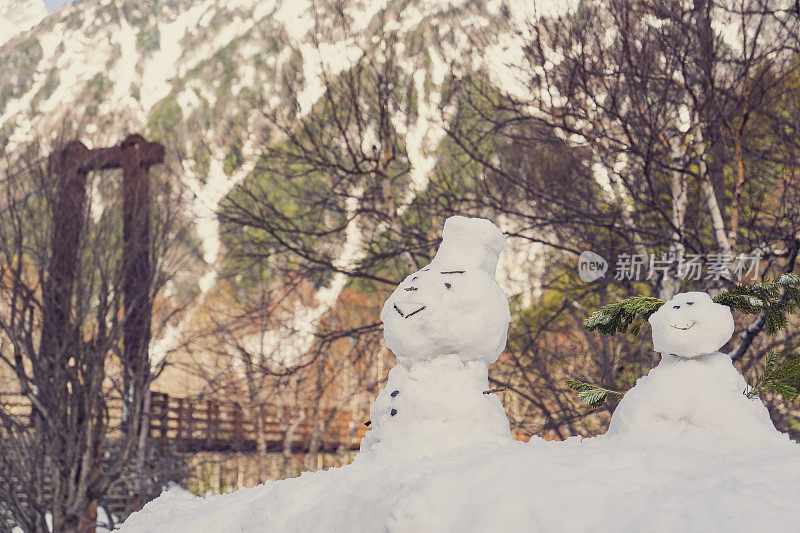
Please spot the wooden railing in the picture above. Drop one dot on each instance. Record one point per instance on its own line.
(208, 425)
(192, 425)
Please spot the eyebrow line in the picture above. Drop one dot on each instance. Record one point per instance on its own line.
(453, 272)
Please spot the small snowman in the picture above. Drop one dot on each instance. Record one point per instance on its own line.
(695, 387)
(446, 323)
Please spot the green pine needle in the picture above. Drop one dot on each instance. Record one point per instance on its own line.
(777, 377)
(618, 317)
(775, 300)
(593, 395)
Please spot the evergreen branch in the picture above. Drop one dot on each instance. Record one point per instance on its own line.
(774, 300)
(618, 317)
(777, 377)
(593, 395)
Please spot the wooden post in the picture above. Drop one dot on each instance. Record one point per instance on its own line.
(211, 423)
(135, 156)
(192, 412)
(237, 424)
(58, 335)
(179, 435)
(141, 452)
(165, 420)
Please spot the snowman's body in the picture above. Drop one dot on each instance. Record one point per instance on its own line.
(694, 387)
(435, 405)
(445, 324)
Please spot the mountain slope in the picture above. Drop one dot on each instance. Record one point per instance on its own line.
(201, 75)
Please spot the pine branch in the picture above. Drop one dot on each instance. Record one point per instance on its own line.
(593, 395)
(777, 377)
(618, 317)
(774, 300)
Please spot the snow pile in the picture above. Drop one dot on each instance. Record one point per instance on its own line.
(686, 451)
(600, 484)
(703, 394)
(19, 15)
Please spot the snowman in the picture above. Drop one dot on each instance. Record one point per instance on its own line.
(445, 323)
(695, 388)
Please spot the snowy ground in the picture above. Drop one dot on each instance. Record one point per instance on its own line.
(693, 483)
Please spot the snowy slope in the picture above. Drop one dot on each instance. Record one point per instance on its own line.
(694, 482)
(19, 15)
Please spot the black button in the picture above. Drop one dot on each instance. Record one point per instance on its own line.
(394, 393)
(393, 412)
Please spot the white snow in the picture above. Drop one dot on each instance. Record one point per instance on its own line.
(204, 202)
(124, 72)
(425, 133)
(325, 59)
(162, 65)
(17, 16)
(454, 305)
(691, 324)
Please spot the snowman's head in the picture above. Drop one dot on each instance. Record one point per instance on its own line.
(691, 324)
(453, 305)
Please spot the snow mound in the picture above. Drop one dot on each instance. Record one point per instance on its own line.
(695, 483)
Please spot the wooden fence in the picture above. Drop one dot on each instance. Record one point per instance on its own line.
(191, 425)
(195, 425)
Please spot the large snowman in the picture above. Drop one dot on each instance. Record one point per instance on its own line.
(446, 323)
(695, 388)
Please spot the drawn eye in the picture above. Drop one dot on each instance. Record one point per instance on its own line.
(689, 303)
(447, 285)
(414, 278)
(676, 306)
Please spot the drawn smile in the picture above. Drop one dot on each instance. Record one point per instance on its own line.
(412, 313)
(683, 328)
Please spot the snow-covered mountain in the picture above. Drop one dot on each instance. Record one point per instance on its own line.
(19, 15)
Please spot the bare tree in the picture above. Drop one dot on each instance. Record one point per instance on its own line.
(62, 334)
(641, 127)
